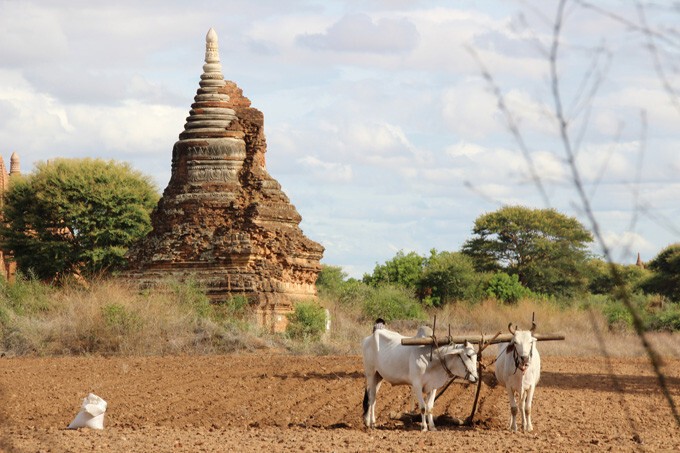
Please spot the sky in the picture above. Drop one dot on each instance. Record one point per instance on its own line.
(381, 125)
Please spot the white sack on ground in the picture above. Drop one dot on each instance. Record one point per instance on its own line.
(91, 414)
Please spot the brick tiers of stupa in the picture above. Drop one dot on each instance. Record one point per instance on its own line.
(223, 221)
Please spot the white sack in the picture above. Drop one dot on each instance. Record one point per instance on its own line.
(91, 414)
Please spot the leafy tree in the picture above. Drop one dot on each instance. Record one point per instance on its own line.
(507, 288)
(449, 276)
(601, 279)
(392, 302)
(76, 216)
(330, 279)
(403, 269)
(546, 249)
(665, 278)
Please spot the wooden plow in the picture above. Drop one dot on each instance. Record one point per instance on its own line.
(482, 343)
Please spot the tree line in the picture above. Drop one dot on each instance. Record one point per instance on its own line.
(519, 252)
(79, 216)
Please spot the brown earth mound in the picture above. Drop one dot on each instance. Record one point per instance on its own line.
(302, 403)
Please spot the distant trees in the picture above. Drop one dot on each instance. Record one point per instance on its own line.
(403, 269)
(665, 278)
(516, 252)
(76, 216)
(450, 276)
(601, 280)
(547, 250)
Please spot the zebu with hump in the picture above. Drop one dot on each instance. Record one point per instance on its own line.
(518, 368)
(385, 358)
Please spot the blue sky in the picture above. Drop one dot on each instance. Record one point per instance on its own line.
(379, 125)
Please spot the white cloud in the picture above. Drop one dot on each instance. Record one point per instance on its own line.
(130, 129)
(327, 171)
(360, 33)
(490, 164)
(470, 110)
(30, 35)
(377, 138)
(628, 244)
(466, 149)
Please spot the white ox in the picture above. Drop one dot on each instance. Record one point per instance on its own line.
(385, 358)
(518, 368)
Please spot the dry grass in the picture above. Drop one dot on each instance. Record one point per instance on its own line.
(586, 330)
(111, 318)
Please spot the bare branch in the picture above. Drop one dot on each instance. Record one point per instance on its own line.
(665, 37)
(512, 125)
(656, 60)
(638, 324)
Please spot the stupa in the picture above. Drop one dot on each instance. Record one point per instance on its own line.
(223, 221)
(8, 267)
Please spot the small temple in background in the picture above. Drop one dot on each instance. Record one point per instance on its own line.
(223, 221)
(8, 267)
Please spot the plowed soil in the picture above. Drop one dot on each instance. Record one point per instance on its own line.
(272, 402)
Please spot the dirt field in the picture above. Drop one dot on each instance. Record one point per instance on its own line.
(300, 403)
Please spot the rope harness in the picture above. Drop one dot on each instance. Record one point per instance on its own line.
(442, 360)
(518, 359)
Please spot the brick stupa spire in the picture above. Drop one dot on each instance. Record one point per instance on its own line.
(223, 220)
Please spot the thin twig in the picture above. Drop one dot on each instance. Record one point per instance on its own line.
(638, 324)
(512, 125)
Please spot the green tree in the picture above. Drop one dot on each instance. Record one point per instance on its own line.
(330, 280)
(450, 276)
(403, 269)
(76, 216)
(546, 249)
(507, 288)
(665, 278)
(391, 302)
(601, 279)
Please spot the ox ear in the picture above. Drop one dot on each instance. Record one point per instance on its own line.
(510, 348)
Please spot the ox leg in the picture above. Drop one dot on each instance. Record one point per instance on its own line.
(377, 387)
(513, 409)
(372, 385)
(418, 395)
(430, 407)
(527, 408)
(522, 408)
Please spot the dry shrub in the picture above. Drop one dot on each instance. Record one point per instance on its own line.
(347, 329)
(113, 318)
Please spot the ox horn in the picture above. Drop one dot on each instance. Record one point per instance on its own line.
(533, 324)
(510, 328)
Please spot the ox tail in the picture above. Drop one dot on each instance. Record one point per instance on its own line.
(365, 401)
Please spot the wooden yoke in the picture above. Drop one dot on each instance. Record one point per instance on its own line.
(503, 338)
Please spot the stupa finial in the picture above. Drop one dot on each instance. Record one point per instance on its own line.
(14, 164)
(212, 69)
(210, 113)
(212, 54)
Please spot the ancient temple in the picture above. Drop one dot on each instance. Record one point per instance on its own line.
(8, 267)
(223, 221)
